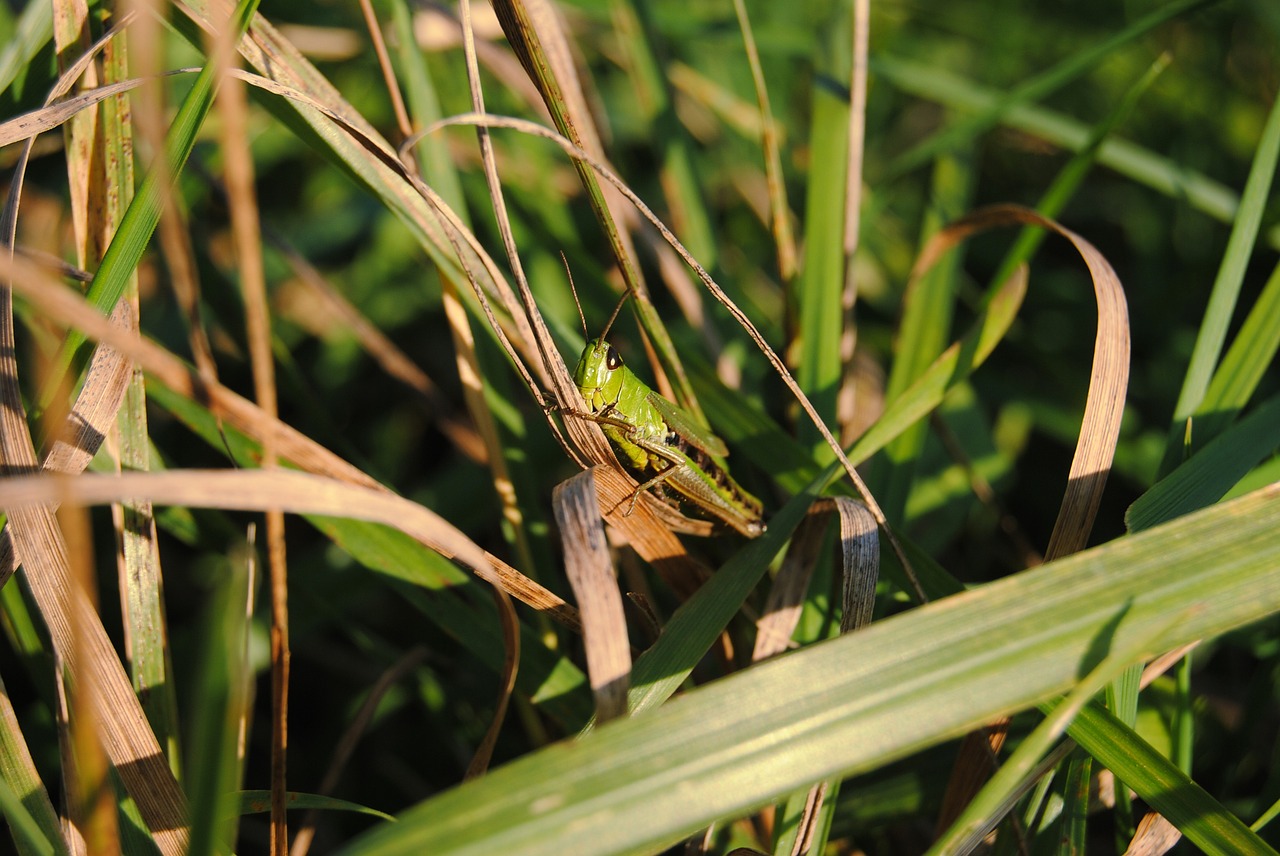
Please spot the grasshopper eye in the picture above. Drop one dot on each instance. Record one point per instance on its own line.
(612, 361)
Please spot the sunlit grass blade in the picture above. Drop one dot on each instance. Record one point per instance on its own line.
(927, 309)
(986, 809)
(1164, 787)
(820, 287)
(1243, 367)
(852, 703)
(1206, 476)
(1222, 300)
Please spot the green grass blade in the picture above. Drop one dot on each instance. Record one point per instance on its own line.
(926, 323)
(259, 802)
(24, 802)
(1135, 162)
(1206, 476)
(213, 769)
(33, 33)
(1243, 366)
(1040, 86)
(852, 703)
(821, 284)
(1226, 288)
(981, 814)
(1159, 782)
(139, 222)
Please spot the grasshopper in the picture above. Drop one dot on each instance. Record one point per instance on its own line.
(660, 444)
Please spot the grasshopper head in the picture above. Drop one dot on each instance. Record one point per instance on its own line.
(598, 370)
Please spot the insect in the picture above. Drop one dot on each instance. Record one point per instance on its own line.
(660, 444)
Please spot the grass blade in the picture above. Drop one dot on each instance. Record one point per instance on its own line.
(848, 704)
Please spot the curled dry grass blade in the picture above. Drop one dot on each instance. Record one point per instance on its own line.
(1109, 373)
(859, 570)
(1095, 446)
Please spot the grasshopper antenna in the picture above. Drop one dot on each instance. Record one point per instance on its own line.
(576, 301)
(614, 316)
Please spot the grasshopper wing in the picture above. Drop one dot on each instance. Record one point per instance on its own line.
(684, 425)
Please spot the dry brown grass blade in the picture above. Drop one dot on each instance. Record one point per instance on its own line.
(1109, 374)
(589, 568)
(91, 796)
(860, 568)
(246, 233)
(47, 118)
(126, 735)
(1095, 447)
(71, 38)
(251, 490)
(74, 626)
(860, 548)
(1154, 836)
(60, 305)
(859, 564)
(94, 411)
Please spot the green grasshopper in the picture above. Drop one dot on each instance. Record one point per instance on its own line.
(660, 444)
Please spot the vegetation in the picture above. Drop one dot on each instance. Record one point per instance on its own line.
(1021, 262)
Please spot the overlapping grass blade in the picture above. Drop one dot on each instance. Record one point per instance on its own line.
(852, 703)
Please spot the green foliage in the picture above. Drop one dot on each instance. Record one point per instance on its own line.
(1150, 129)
